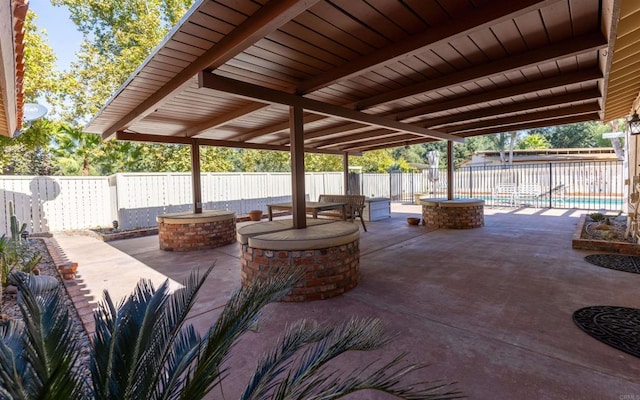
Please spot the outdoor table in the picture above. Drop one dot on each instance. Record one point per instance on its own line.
(312, 207)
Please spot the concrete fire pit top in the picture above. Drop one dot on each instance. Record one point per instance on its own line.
(443, 202)
(280, 235)
(188, 217)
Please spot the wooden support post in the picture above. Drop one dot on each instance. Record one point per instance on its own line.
(195, 177)
(296, 132)
(449, 170)
(345, 168)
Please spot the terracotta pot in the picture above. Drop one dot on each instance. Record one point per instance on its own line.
(413, 221)
(68, 270)
(255, 215)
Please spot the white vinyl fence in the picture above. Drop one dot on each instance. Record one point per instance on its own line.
(49, 204)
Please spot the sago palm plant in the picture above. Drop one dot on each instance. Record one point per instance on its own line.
(144, 349)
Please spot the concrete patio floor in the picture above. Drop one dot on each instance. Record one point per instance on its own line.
(489, 308)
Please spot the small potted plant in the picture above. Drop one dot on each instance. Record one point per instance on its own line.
(255, 215)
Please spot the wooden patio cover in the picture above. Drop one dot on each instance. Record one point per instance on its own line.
(360, 75)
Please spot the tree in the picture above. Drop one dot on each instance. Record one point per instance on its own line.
(581, 135)
(264, 161)
(118, 36)
(144, 349)
(533, 141)
(77, 150)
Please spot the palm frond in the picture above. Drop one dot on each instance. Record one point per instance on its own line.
(238, 315)
(312, 379)
(141, 349)
(50, 348)
(275, 362)
(12, 364)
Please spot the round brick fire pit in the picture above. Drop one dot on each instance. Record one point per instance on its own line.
(187, 231)
(453, 214)
(327, 251)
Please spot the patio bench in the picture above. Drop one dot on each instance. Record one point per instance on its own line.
(354, 206)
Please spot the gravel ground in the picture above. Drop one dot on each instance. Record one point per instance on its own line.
(10, 310)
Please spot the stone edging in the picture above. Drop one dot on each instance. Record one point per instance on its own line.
(600, 245)
(75, 291)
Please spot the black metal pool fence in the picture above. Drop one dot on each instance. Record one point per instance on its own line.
(593, 185)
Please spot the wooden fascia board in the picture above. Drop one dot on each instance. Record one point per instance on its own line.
(267, 19)
(8, 69)
(564, 49)
(496, 12)
(148, 138)
(528, 117)
(585, 76)
(504, 109)
(246, 90)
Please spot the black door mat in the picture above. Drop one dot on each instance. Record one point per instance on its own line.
(618, 262)
(618, 327)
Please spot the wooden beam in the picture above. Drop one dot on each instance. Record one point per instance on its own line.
(530, 105)
(359, 137)
(297, 168)
(195, 177)
(528, 117)
(224, 119)
(275, 128)
(267, 19)
(540, 124)
(319, 133)
(345, 172)
(570, 78)
(450, 181)
(475, 20)
(537, 124)
(142, 137)
(564, 49)
(246, 90)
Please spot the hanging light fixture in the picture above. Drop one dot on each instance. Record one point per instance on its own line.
(634, 124)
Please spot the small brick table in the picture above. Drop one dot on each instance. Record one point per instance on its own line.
(452, 214)
(187, 231)
(327, 251)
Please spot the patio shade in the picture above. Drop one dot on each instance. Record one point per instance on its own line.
(368, 74)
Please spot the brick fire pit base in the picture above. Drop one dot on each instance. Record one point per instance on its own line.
(187, 231)
(452, 214)
(327, 251)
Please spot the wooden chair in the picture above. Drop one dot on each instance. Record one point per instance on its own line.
(354, 205)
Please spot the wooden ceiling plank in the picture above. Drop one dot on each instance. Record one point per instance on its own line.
(224, 119)
(476, 20)
(567, 48)
(211, 81)
(267, 19)
(354, 138)
(509, 91)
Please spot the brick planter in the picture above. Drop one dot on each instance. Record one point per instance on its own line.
(452, 214)
(330, 270)
(188, 231)
(601, 245)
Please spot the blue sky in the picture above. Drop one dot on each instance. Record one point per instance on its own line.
(64, 39)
